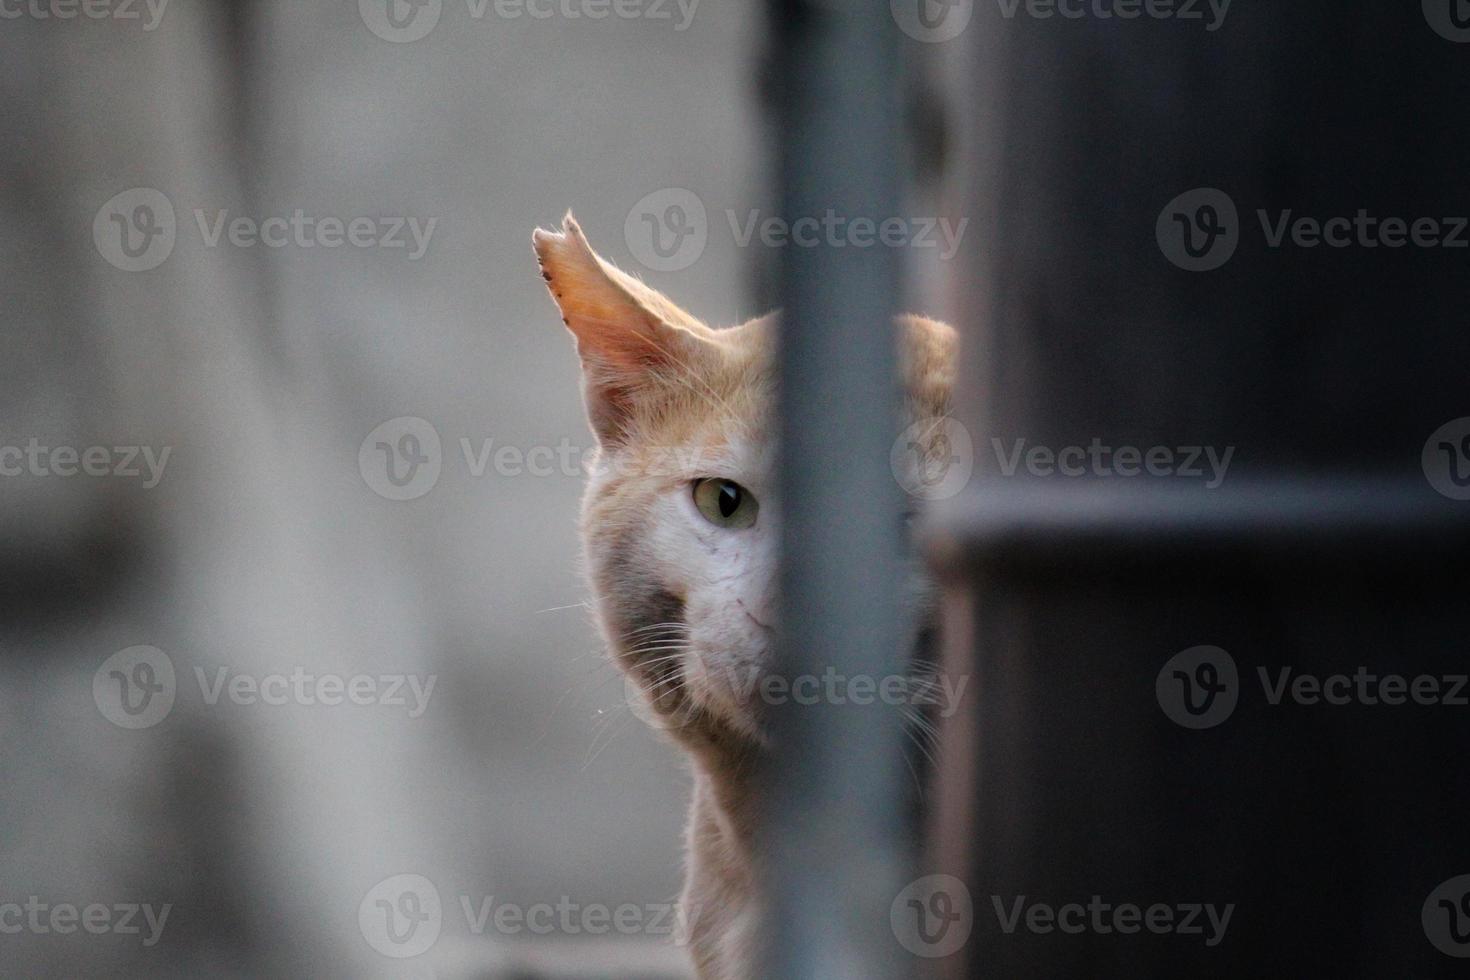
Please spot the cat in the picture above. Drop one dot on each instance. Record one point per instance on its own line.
(679, 526)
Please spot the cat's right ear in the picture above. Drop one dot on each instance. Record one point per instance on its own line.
(629, 335)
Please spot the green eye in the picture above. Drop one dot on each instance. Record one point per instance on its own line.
(725, 503)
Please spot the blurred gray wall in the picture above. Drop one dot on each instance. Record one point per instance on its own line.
(263, 549)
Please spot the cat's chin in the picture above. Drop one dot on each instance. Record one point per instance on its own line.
(726, 691)
(735, 720)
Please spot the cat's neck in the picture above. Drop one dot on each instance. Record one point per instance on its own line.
(725, 771)
(719, 893)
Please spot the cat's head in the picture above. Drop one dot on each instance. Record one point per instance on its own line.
(680, 519)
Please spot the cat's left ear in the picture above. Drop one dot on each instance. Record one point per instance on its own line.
(629, 335)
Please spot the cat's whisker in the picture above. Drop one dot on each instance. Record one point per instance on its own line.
(921, 743)
(670, 653)
(673, 690)
(655, 642)
(666, 636)
(917, 719)
(918, 783)
(670, 658)
(663, 637)
(673, 626)
(611, 737)
(575, 605)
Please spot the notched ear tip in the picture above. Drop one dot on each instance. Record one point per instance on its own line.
(564, 249)
(545, 242)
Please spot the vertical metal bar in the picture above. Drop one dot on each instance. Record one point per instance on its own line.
(836, 832)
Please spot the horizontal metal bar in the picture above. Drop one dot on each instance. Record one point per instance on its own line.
(1054, 524)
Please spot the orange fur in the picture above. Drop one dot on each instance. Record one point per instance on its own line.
(657, 381)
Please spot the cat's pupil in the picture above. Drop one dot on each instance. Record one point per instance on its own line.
(729, 498)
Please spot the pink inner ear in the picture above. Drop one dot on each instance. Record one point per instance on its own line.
(609, 322)
(617, 367)
(624, 329)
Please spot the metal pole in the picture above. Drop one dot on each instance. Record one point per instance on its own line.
(835, 833)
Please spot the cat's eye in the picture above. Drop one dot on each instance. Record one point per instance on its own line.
(725, 503)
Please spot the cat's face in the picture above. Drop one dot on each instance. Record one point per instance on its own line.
(680, 519)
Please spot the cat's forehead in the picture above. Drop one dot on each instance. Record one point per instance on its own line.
(725, 395)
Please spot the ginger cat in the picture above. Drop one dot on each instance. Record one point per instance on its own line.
(679, 525)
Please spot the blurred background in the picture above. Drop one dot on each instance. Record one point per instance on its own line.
(300, 677)
(137, 317)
